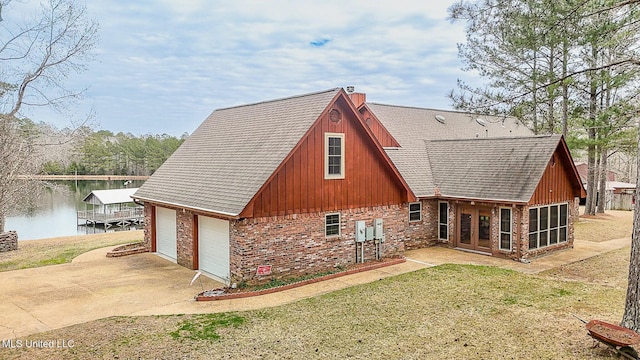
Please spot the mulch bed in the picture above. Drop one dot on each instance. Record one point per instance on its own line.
(227, 293)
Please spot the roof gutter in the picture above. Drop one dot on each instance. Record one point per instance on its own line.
(493, 201)
(223, 214)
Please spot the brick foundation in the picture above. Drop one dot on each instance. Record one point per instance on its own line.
(8, 241)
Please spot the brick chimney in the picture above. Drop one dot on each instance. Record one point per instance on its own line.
(357, 98)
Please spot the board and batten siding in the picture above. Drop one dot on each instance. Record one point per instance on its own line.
(379, 131)
(299, 186)
(556, 183)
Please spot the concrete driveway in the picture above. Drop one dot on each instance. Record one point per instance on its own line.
(94, 287)
(91, 287)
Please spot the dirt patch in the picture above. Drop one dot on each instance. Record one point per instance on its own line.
(609, 269)
(615, 224)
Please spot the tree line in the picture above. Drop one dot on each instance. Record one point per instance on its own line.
(103, 152)
(561, 66)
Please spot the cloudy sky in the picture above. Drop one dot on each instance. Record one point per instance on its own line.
(163, 66)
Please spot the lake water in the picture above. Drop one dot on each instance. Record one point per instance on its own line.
(56, 213)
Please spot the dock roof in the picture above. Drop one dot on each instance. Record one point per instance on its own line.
(113, 196)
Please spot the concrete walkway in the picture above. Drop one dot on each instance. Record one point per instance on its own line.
(94, 286)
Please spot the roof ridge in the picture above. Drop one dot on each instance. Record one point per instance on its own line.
(499, 138)
(444, 110)
(280, 99)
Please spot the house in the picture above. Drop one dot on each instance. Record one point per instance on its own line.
(313, 182)
(619, 195)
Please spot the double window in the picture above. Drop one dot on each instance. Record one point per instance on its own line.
(443, 221)
(334, 156)
(548, 225)
(332, 225)
(415, 212)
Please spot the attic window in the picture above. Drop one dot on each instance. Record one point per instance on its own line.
(335, 116)
(481, 122)
(334, 156)
(440, 118)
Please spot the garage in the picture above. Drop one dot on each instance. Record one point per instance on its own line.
(166, 233)
(213, 247)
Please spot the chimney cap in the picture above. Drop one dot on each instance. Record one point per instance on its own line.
(350, 89)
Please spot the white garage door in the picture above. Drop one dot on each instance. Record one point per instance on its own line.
(213, 247)
(166, 232)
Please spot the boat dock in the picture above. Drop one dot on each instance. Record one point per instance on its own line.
(118, 218)
(111, 208)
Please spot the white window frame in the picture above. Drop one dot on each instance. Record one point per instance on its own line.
(419, 211)
(339, 225)
(446, 220)
(327, 136)
(510, 232)
(548, 227)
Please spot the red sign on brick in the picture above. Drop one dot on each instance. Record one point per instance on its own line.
(264, 270)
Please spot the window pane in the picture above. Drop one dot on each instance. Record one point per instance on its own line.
(553, 236)
(544, 219)
(444, 210)
(553, 217)
(414, 207)
(533, 220)
(563, 214)
(414, 216)
(334, 146)
(332, 224)
(533, 241)
(505, 241)
(505, 220)
(334, 165)
(443, 232)
(563, 234)
(543, 238)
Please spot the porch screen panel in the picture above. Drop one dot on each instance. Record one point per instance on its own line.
(443, 221)
(533, 228)
(564, 213)
(505, 229)
(543, 226)
(553, 225)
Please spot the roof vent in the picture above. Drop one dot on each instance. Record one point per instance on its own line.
(440, 118)
(351, 89)
(481, 121)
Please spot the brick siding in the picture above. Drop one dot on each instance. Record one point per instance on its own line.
(184, 241)
(296, 245)
(423, 233)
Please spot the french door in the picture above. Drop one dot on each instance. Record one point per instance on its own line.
(474, 228)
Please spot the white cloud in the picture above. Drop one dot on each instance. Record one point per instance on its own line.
(165, 65)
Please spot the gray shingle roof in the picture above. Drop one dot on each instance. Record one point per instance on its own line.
(506, 169)
(223, 164)
(411, 127)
